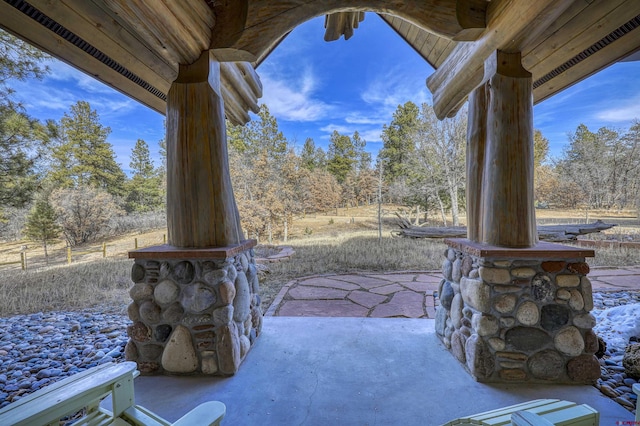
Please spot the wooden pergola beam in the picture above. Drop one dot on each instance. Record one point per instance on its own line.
(251, 29)
(509, 22)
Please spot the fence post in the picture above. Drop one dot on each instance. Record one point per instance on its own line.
(104, 250)
(69, 255)
(164, 238)
(23, 261)
(136, 243)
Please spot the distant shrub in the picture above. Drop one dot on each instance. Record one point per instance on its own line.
(331, 222)
(138, 222)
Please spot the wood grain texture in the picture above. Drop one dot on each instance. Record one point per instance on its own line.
(268, 21)
(476, 141)
(463, 70)
(507, 185)
(201, 208)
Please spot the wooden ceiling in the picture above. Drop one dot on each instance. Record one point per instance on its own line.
(136, 46)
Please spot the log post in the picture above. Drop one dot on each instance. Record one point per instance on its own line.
(476, 137)
(201, 208)
(507, 184)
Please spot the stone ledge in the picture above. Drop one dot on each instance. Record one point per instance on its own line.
(166, 251)
(542, 250)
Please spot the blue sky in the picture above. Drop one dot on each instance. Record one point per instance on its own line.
(313, 87)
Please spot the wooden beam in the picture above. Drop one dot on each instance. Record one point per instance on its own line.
(241, 90)
(507, 23)
(201, 208)
(476, 141)
(25, 28)
(266, 22)
(508, 213)
(97, 27)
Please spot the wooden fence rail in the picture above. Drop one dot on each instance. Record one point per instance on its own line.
(22, 261)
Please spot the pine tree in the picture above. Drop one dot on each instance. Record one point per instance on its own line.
(398, 142)
(342, 156)
(84, 157)
(41, 224)
(145, 187)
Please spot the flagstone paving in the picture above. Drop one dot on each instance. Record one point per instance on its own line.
(411, 294)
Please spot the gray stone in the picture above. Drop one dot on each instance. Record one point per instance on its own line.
(554, 317)
(542, 288)
(456, 272)
(137, 273)
(495, 275)
(631, 360)
(179, 355)
(198, 297)
(209, 364)
(502, 263)
(139, 332)
(446, 295)
(232, 273)
(474, 273)
(441, 320)
(131, 351)
(256, 320)
(214, 276)
(133, 311)
(466, 266)
(566, 280)
(563, 294)
(546, 365)
(527, 339)
(149, 352)
(450, 254)
(245, 345)
(227, 292)
(569, 341)
(507, 289)
(447, 269)
(584, 369)
(523, 272)
(476, 294)
(141, 291)
(150, 312)
(222, 316)
(591, 344)
(166, 292)
(162, 333)
(479, 358)
(505, 303)
(242, 300)
(456, 310)
(497, 344)
(584, 321)
(165, 269)
(485, 325)
(528, 313)
(576, 302)
(183, 272)
(228, 348)
(457, 346)
(587, 293)
(173, 313)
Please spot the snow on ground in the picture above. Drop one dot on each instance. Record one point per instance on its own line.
(616, 325)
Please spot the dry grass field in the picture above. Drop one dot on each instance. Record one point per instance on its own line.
(332, 243)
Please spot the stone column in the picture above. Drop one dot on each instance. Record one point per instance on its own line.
(519, 315)
(196, 307)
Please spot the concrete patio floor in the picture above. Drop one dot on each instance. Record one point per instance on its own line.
(352, 371)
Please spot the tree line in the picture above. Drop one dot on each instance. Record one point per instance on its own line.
(62, 178)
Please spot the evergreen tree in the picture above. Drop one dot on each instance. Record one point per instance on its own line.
(398, 142)
(145, 187)
(83, 156)
(41, 224)
(342, 156)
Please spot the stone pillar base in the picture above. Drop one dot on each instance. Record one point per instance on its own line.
(194, 311)
(518, 315)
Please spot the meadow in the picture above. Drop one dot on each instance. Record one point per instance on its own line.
(323, 244)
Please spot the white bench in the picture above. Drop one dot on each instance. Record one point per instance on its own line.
(83, 393)
(540, 412)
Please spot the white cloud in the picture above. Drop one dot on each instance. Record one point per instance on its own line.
(394, 88)
(623, 112)
(293, 99)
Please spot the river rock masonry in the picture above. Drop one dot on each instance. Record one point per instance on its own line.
(518, 315)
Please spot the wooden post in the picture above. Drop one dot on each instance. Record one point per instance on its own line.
(201, 208)
(476, 139)
(164, 238)
(69, 255)
(507, 184)
(104, 250)
(135, 243)
(23, 261)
